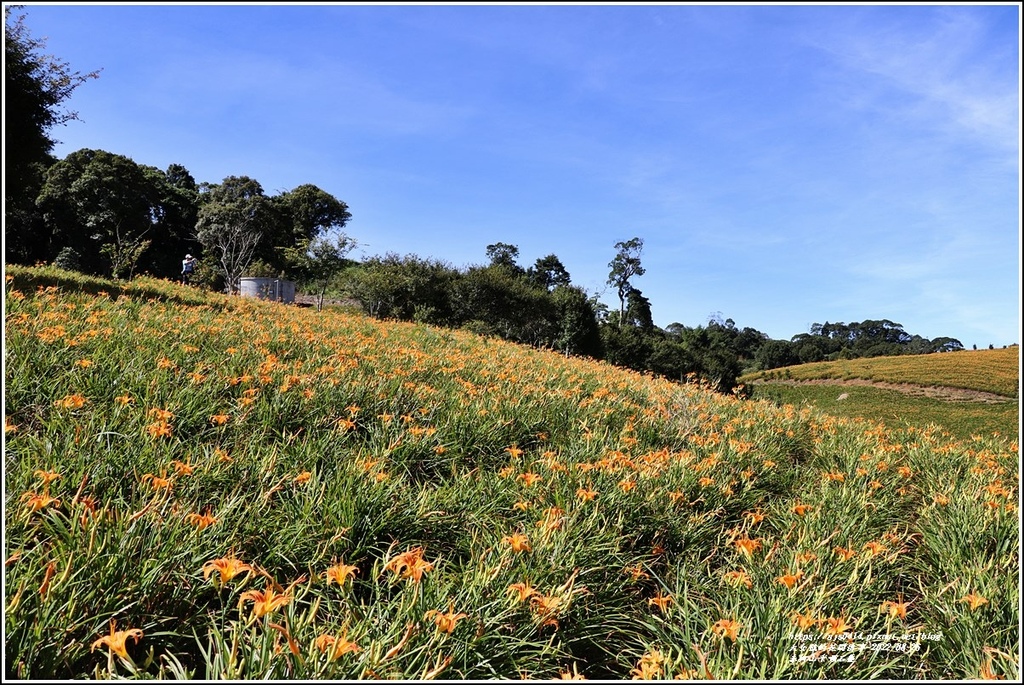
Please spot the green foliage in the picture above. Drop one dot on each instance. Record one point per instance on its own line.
(68, 259)
(111, 210)
(36, 87)
(234, 218)
(959, 419)
(625, 266)
(319, 260)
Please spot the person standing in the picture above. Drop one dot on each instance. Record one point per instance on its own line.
(188, 267)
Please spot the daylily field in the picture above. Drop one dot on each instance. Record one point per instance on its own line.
(199, 486)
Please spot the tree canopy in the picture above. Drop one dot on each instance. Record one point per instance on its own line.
(36, 88)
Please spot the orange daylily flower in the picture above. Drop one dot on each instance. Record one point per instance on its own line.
(303, 477)
(661, 601)
(181, 468)
(410, 564)
(636, 571)
(727, 628)
(790, 579)
(36, 501)
(524, 590)
(445, 621)
(226, 567)
(753, 517)
(974, 600)
(161, 414)
(47, 476)
(71, 402)
(115, 641)
(219, 419)
(518, 542)
(835, 626)
(874, 548)
(160, 429)
(894, 609)
(747, 546)
(339, 573)
(201, 521)
(737, 578)
(530, 478)
(804, 621)
(650, 666)
(845, 553)
(157, 482)
(586, 494)
(801, 509)
(264, 601)
(546, 607)
(337, 645)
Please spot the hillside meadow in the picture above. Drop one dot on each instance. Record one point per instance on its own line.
(841, 388)
(198, 486)
(994, 371)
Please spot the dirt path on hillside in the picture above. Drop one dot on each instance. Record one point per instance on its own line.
(935, 392)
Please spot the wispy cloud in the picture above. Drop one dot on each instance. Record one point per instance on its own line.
(933, 61)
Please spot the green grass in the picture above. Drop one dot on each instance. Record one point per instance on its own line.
(896, 409)
(995, 371)
(560, 516)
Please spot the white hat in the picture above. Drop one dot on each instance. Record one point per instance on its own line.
(188, 256)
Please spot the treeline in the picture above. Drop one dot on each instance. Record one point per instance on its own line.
(104, 214)
(540, 306)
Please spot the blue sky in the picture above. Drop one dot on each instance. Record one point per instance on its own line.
(784, 164)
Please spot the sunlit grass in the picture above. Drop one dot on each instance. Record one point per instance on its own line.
(995, 371)
(899, 410)
(252, 490)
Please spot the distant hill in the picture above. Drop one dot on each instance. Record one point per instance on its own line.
(989, 371)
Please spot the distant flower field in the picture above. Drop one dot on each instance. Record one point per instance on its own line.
(995, 371)
(199, 486)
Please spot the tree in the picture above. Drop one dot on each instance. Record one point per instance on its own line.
(35, 87)
(548, 273)
(504, 255)
(299, 217)
(321, 259)
(110, 210)
(578, 332)
(233, 219)
(625, 266)
(638, 310)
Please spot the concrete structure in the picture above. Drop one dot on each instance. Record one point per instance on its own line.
(275, 289)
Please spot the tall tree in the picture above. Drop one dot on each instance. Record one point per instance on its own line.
(625, 266)
(234, 217)
(36, 85)
(321, 259)
(109, 210)
(504, 255)
(548, 273)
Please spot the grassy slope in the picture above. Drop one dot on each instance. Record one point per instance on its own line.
(994, 371)
(659, 517)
